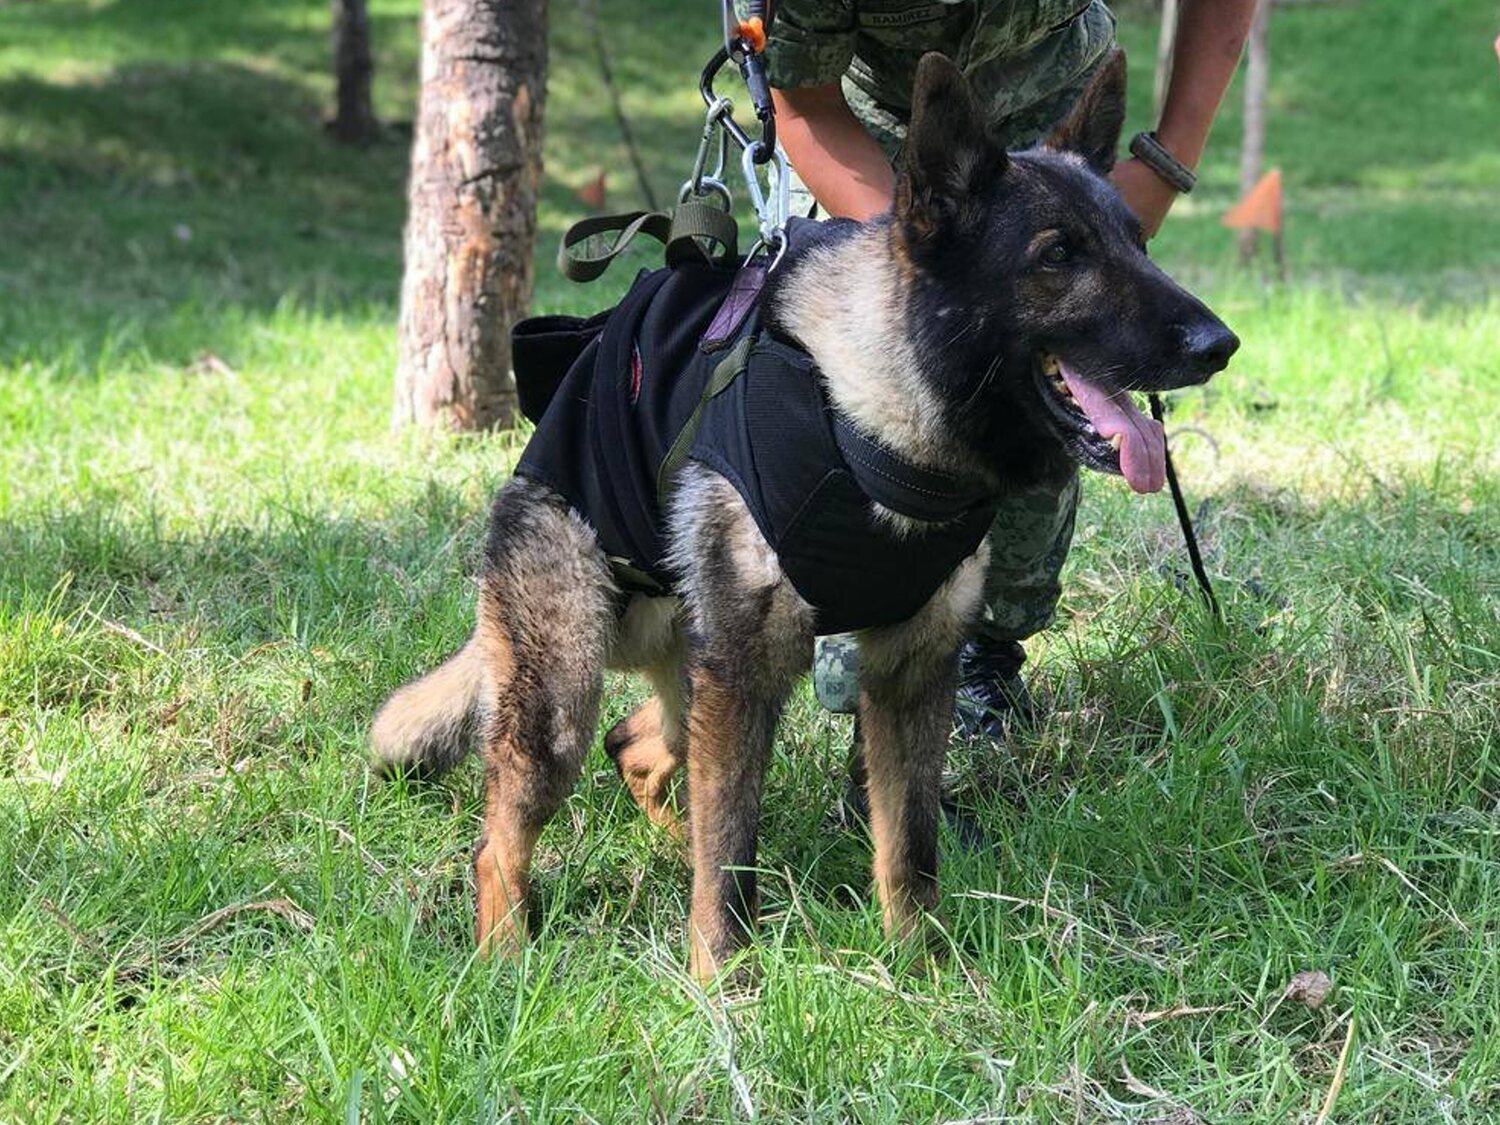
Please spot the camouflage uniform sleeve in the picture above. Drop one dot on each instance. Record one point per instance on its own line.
(811, 43)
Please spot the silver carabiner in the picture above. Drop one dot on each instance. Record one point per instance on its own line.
(778, 239)
(783, 188)
(701, 182)
(771, 217)
(706, 186)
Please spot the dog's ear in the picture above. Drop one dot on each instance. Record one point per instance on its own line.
(1092, 129)
(950, 155)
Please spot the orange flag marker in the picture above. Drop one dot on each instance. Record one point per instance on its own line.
(1261, 207)
(592, 194)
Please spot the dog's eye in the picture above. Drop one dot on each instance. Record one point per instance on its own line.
(1058, 254)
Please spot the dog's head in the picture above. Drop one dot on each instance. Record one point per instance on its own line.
(1032, 299)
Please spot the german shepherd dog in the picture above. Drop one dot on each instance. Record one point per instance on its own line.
(993, 323)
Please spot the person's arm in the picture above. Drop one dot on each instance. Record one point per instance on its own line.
(1210, 36)
(840, 163)
(808, 50)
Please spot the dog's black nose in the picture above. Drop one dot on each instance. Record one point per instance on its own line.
(1208, 344)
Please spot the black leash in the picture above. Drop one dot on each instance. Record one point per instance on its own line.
(1189, 536)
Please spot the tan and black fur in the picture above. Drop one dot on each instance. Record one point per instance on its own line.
(925, 327)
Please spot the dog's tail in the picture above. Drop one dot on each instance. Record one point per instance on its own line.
(430, 725)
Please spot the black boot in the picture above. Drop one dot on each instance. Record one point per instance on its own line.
(992, 699)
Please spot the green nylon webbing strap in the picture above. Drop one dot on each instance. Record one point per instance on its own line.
(692, 222)
(629, 578)
(587, 246)
(724, 373)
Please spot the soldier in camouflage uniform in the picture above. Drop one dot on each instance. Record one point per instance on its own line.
(1027, 60)
(842, 72)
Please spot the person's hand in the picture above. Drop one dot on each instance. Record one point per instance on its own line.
(1144, 192)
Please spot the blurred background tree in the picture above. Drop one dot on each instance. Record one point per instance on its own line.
(353, 119)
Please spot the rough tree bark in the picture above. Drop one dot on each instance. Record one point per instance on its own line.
(1253, 145)
(353, 116)
(476, 166)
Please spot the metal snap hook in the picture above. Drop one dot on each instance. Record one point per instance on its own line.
(705, 187)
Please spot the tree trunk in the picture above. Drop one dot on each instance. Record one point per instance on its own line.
(353, 117)
(1253, 145)
(1166, 43)
(476, 167)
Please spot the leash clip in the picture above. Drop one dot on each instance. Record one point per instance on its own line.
(770, 215)
(778, 240)
(703, 183)
(744, 45)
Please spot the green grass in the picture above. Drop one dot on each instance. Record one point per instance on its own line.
(215, 559)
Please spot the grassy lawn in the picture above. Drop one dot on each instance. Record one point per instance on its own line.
(215, 559)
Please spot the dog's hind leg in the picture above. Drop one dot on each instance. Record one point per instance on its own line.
(544, 624)
(907, 678)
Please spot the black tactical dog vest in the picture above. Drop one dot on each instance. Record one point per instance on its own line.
(678, 372)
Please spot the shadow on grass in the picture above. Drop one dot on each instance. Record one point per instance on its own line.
(167, 204)
(166, 179)
(164, 198)
(294, 31)
(320, 573)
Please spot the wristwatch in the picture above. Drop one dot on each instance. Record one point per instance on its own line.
(1153, 154)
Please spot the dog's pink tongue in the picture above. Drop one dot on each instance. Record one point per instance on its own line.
(1143, 445)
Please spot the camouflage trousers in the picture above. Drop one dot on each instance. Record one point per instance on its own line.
(1029, 543)
(1032, 530)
